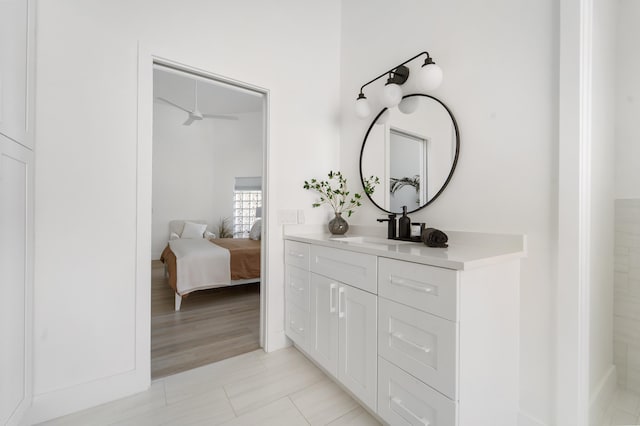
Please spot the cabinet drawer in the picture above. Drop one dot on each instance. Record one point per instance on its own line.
(405, 400)
(297, 281)
(424, 287)
(420, 343)
(296, 254)
(356, 269)
(296, 327)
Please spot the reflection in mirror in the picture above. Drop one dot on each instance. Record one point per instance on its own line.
(413, 154)
(407, 170)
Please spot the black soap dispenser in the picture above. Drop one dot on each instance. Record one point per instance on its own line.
(404, 225)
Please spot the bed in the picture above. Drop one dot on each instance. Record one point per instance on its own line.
(199, 263)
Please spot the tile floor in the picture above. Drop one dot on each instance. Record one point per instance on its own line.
(624, 409)
(280, 388)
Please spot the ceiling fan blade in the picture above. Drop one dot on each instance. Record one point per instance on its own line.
(189, 121)
(222, 117)
(173, 104)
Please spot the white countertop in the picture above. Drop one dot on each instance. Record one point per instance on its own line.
(466, 250)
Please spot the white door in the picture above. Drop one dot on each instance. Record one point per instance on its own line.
(323, 323)
(357, 312)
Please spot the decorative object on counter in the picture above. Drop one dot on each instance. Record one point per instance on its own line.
(391, 226)
(339, 198)
(429, 78)
(404, 224)
(337, 225)
(416, 230)
(433, 237)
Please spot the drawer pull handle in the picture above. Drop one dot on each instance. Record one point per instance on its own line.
(294, 254)
(340, 310)
(403, 283)
(332, 307)
(399, 403)
(296, 328)
(400, 337)
(300, 289)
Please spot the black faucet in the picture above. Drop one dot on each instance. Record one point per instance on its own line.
(391, 230)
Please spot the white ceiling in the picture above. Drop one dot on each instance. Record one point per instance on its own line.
(213, 97)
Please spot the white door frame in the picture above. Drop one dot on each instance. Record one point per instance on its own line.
(146, 59)
(574, 213)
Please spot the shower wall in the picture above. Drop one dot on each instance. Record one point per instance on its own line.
(626, 320)
(626, 310)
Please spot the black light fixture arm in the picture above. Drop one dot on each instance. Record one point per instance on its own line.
(393, 71)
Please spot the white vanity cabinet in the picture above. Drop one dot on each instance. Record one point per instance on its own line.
(421, 336)
(297, 292)
(343, 319)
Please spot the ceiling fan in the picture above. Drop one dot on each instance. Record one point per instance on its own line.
(195, 114)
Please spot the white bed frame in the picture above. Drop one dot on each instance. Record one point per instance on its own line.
(178, 298)
(177, 226)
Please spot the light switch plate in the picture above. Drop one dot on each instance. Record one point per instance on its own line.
(287, 217)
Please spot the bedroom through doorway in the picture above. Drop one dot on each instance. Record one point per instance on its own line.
(207, 205)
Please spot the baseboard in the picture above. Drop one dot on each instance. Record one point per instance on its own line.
(277, 340)
(59, 403)
(601, 396)
(525, 419)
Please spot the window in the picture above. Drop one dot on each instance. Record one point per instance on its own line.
(247, 204)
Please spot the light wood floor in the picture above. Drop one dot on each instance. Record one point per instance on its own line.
(211, 325)
(281, 388)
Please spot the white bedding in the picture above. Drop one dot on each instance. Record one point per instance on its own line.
(200, 264)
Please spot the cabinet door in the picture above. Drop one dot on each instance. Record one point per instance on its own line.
(16, 219)
(357, 312)
(297, 325)
(17, 58)
(323, 323)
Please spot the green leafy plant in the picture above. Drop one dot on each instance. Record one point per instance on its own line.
(335, 193)
(397, 183)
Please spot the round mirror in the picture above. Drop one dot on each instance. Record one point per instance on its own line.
(414, 153)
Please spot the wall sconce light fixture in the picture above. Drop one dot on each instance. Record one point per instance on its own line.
(429, 78)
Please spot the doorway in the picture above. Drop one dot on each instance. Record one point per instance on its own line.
(208, 198)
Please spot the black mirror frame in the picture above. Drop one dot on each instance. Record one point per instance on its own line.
(453, 166)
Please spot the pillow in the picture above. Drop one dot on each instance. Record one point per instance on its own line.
(193, 230)
(256, 230)
(174, 236)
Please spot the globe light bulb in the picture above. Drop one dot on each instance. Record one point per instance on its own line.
(429, 77)
(409, 105)
(392, 95)
(363, 109)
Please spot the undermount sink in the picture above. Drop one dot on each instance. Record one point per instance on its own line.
(368, 240)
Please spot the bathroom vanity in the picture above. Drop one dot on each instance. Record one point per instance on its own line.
(421, 336)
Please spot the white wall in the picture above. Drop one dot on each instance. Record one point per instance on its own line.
(86, 177)
(194, 167)
(627, 103)
(500, 81)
